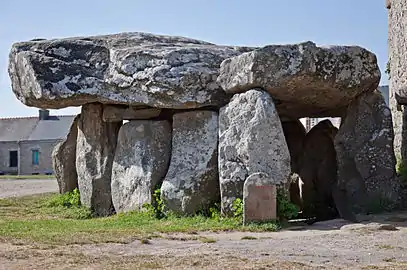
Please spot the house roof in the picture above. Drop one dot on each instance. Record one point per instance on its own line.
(32, 128)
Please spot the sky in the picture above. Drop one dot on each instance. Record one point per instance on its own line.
(226, 22)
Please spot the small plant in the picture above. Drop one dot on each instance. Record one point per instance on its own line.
(237, 207)
(248, 237)
(285, 209)
(69, 205)
(387, 71)
(69, 199)
(207, 240)
(157, 207)
(401, 169)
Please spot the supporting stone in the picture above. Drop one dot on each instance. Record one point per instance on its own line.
(318, 172)
(95, 150)
(397, 66)
(259, 199)
(140, 163)
(294, 133)
(64, 160)
(191, 183)
(366, 160)
(251, 140)
(112, 113)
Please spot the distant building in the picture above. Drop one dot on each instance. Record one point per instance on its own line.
(385, 92)
(26, 143)
(311, 122)
(336, 121)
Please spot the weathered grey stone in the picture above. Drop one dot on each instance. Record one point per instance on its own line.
(140, 163)
(294, 133)
(191, 183)
(308, 81)
(397, 83)
(251, 140)
(259, 199)
(318, 172)
(366, 161)
(128, 68)
(95, 150)
(397, 50)
(64, 159)
(113, 113)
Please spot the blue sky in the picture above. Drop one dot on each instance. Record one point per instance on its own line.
(232, 22)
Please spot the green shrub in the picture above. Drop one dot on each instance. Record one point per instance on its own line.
(68, 205)
(237, 207)
(156, 209)
(285, 208)
(69, 199)
(401, 169)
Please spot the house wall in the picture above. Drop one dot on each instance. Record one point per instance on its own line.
(5, 148)
(45, 156)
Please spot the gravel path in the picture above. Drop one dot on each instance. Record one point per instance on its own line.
(378, 242)
(17, 187)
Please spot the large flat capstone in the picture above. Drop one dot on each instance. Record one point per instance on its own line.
(251, 140)
(305, 80)
(128, 68)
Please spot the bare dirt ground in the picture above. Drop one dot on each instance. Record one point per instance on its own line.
(23, 187)
(378, 242)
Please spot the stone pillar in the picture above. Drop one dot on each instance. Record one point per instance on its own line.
(64, 160)
(251, 140)
(191, 183)
(95, 150)
(397, 19)
(365, 154)
(141, 161)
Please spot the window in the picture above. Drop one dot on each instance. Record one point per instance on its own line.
(13, 159)
(35, 157)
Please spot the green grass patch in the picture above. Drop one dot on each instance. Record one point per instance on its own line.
(22, 177)
(248, 237)
(207, 240)
(60, 219)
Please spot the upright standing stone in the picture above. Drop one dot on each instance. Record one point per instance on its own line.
(294, 133)
(366, 161)
(140, 163)
(95, 150)
(318, 172)
(259, 199)
(64, 159)
(251, 140)
(191, 183)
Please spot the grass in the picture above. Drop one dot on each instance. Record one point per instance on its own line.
(384, 246)
(21, 177)
(248, 237)
(34, 218)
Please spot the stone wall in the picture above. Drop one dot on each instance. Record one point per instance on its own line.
(45, 156)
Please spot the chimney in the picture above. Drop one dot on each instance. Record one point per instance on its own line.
(43, 114)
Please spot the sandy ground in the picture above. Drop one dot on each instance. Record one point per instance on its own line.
(378, 242)
(17, 187)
